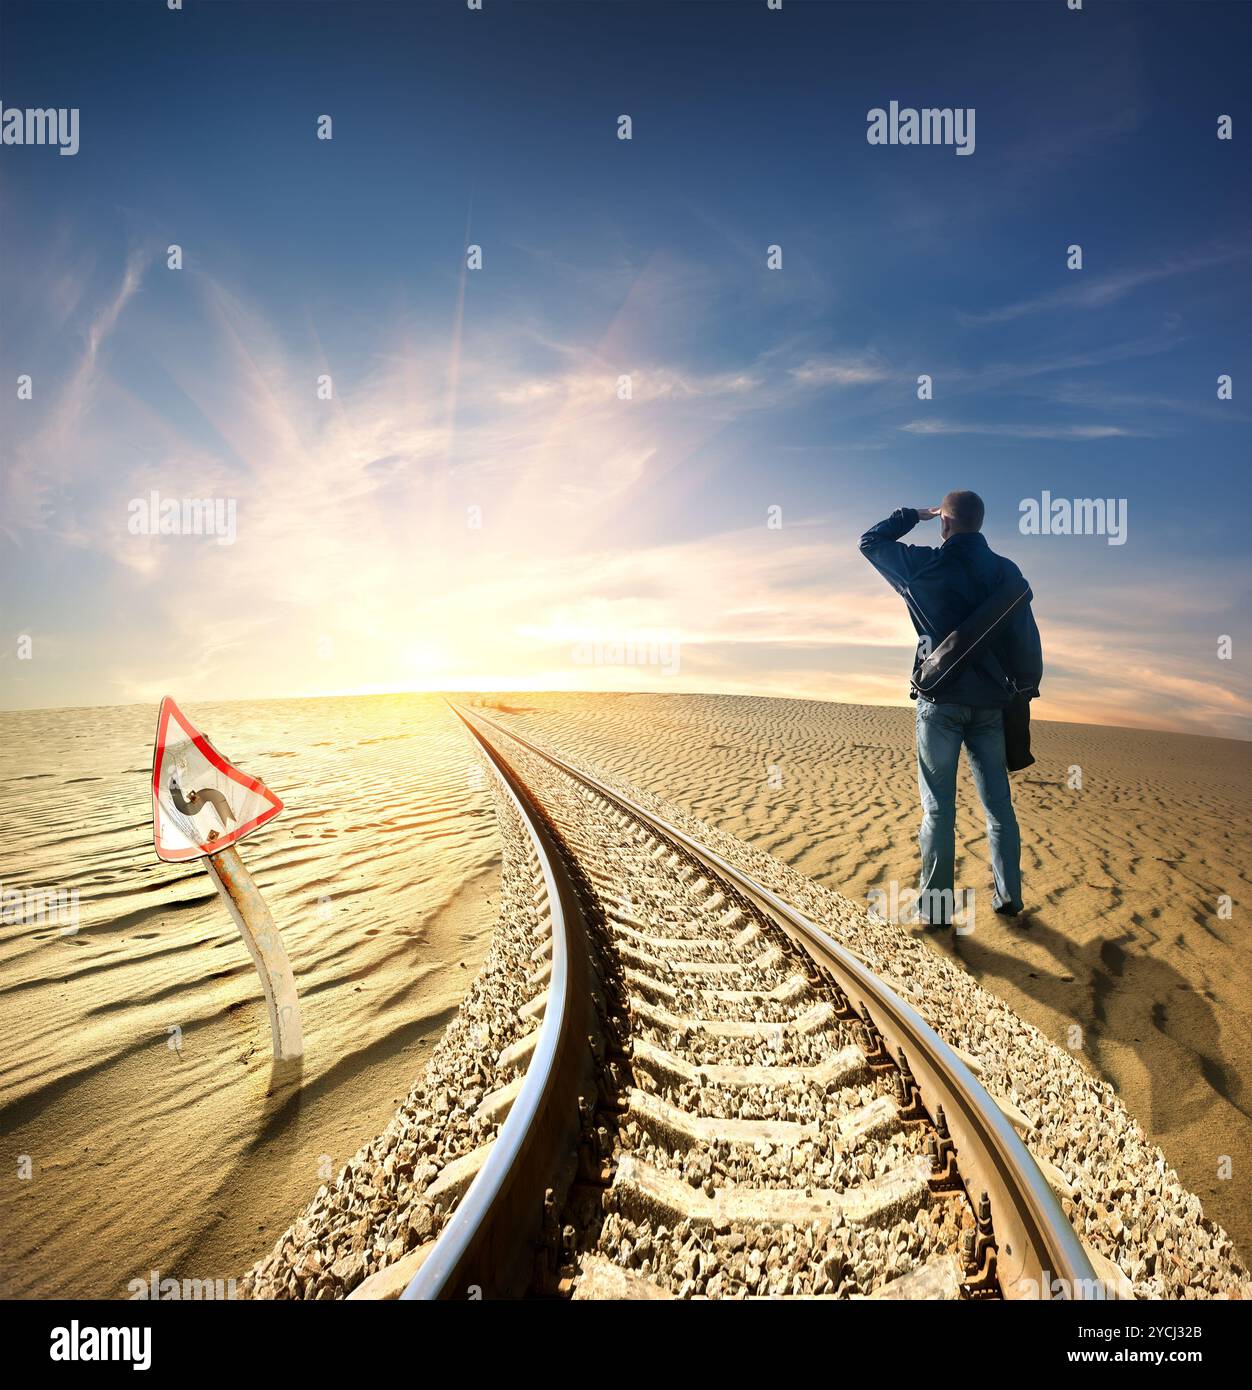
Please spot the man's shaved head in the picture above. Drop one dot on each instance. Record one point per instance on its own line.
(963, 511)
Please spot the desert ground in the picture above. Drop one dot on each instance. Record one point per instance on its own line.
(137, 1077)
(186, 1151)
(1127, 959)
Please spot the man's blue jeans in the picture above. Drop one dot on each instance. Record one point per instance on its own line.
(941, 729)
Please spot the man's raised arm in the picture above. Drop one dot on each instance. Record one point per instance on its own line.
(881, 545)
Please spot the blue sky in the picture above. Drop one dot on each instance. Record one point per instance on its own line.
(604, 520)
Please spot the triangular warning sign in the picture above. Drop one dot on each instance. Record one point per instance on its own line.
(200, 803)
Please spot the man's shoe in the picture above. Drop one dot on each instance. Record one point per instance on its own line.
(1009, 910)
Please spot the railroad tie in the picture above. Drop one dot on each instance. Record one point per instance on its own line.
(652, 988)
(839, 1069)
(600, 1278)
(660, 1117)
(821, 1015)
(685, 943)
(794, 987)
(768, 958)
(518, 1053)
(660, 1196)
(631, 949)
(939, 1279)
(455, 1177)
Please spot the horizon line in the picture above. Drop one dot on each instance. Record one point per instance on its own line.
(535, 690)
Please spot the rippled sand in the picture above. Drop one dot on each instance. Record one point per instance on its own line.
(382, 874)
(1126, 943)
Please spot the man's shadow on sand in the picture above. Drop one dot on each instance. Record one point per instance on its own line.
(1107, 1010)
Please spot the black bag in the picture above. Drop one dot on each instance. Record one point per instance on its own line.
(969, 641)
(1017, 753)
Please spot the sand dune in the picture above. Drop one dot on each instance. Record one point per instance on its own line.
(382, 876)
(1126, 944)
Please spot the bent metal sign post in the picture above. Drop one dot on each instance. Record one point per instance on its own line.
(202, 806)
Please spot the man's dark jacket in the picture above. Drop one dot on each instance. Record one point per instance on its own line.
(942, 585)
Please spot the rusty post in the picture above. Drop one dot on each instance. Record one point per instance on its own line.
(243, 899)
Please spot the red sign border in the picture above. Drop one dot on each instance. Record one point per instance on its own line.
(170, 710)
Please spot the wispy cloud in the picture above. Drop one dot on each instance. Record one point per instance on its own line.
(42, 462)
(1076, 432)
(1094, 396)
(840, 371)
(647, 382)
(1097, 292)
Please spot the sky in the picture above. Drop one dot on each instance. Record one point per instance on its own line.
(622, 543)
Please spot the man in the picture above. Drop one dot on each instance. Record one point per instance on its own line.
(942, 587)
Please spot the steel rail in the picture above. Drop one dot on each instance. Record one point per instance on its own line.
(1039, 1254)
(482, 1250)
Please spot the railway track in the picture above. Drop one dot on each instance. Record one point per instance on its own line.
(713, 1097)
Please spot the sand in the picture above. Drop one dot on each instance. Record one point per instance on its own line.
(193, 1162)
(1125, 944)
(383, 877)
